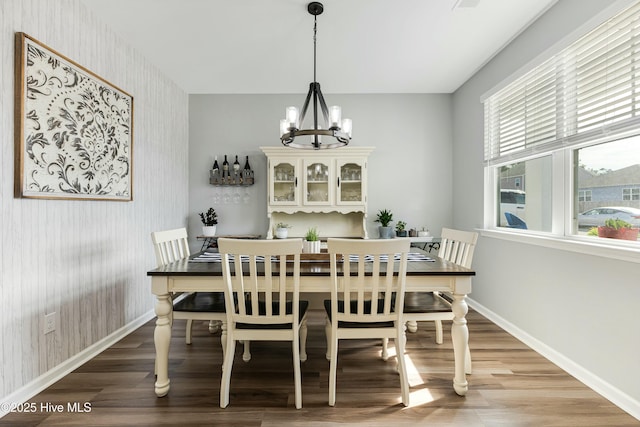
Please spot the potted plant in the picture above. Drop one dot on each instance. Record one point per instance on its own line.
(311, 244)
(400, 229)
(209, 220)
(618, 229)
(384, 217)
(282, 230)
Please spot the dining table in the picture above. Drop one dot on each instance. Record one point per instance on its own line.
(202, 272)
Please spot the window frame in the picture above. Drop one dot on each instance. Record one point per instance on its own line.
(562, 235)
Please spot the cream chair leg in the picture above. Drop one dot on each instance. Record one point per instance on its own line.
(402, 368)
(225, 379)
(333, 366)
(467, 361)
(303, 340)
(296, 371)
(187, 332)
(438, 331)
(327, 334)
(246, 355)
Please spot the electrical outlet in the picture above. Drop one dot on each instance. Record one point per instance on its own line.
(49, 322)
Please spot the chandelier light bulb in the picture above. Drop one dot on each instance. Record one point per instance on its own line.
(346, 126)
(335, 116)
(292, 117)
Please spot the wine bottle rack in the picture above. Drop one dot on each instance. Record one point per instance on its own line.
(240, 178)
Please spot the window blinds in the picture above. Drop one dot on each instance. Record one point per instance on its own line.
(590, 88)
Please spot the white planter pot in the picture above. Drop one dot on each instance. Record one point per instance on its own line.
(209, 230)
(311, 247)
(282, 233)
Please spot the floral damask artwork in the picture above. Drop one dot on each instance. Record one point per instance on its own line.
(74, 130)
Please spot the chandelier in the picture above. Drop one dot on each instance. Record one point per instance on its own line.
(333, 126)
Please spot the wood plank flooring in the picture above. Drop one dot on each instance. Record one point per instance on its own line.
(511, 385)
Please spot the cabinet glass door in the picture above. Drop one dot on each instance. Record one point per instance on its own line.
(317, 188)
(351, 182)
(284, 182)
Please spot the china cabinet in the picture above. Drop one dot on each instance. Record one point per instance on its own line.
(326, 189)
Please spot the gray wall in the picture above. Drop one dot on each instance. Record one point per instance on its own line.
(84, 260)
(580, 309)
(409, 171)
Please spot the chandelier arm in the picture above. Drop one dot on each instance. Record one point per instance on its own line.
(323, 107)
(303, 113)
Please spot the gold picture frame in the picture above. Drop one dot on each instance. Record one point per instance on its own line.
(73, 129)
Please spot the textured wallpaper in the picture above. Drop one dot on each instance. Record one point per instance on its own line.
(84, 260)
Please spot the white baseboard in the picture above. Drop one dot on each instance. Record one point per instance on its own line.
(26, 392)
(597, 384)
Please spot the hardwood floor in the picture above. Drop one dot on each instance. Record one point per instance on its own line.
(511, 385)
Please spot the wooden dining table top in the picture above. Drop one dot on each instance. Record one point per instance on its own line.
(315, 266)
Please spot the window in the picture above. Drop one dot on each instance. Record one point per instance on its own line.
(527, 205)
(584, 195)
(609, 172)
(631, 193)
(566, 137)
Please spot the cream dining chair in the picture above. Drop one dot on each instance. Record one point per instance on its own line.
(264, 293)
(366, 301)
(456, 246)
(170, 246)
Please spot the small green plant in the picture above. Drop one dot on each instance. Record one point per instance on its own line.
(593, 231)
(384, 217)
(400, 225)
(209, 218)
(282, 225)
(617, 223)
(312, 235)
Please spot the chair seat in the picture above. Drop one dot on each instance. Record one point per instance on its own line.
(202, 302)
(424, 302)
(262, 309)
(354, 308)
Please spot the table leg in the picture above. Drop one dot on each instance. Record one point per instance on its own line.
(162, 338)
(460, 337)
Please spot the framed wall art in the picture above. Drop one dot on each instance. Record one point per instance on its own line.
(74, 130)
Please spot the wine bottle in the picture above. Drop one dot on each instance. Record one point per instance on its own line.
(236, 166)
(215, 171)
(247, 173)
(225, 167)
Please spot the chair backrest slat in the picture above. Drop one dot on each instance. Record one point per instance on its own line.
(378, 282)
(458, 246)
(170, 245)
(260, 279)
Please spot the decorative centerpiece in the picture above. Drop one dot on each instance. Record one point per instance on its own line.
(618, 229)
(400, 229)
(209, 220)
(384, 217)
(282, 230)
(311, 243)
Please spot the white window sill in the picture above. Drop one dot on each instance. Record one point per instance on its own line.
(616, 249)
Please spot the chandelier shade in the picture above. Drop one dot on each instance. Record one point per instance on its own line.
(335, 129)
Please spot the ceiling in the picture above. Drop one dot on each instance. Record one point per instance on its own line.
(363, 46)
